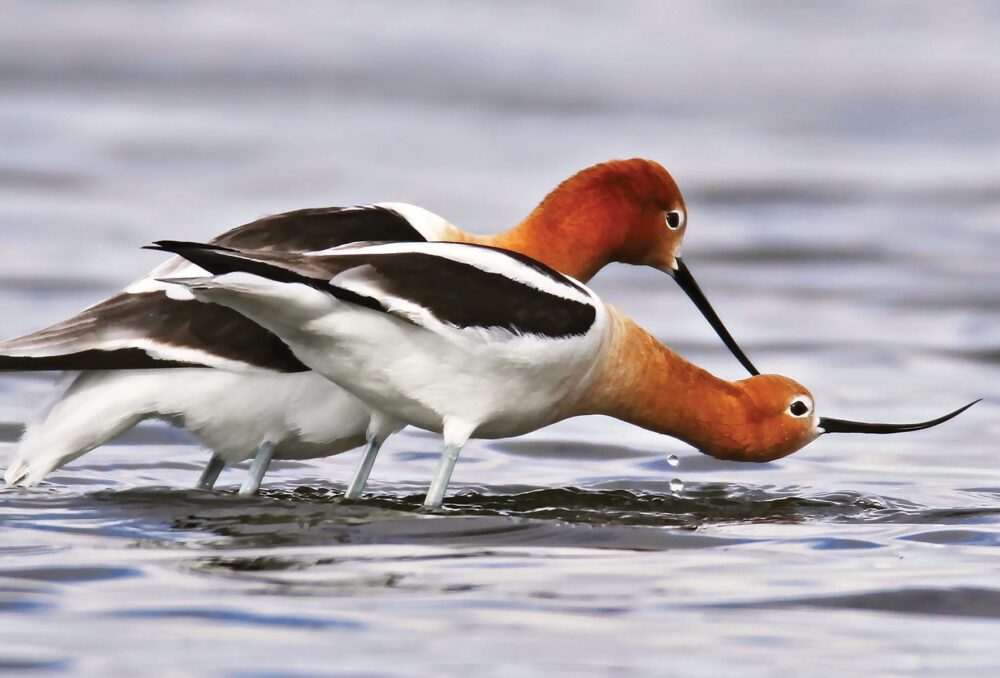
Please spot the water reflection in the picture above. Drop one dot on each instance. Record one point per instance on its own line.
(568, 516)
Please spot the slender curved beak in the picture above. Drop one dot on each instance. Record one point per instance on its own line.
(829, 425)
(682, 274)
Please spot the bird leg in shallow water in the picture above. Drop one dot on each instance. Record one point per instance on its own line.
(211, 473)
(435, 495)
(357, 485)
(257, 470)
(456, 433)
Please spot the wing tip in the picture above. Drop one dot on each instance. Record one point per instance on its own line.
(179, 246)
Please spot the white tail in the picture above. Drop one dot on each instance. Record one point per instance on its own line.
(93, 409)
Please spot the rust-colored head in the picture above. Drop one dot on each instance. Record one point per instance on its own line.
(639, 209)
(628, 211)
(773, 417)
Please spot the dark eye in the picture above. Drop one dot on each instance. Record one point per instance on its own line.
(798, 408)
(674, 220)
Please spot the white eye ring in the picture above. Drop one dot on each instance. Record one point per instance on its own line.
(675, 219)
(795, 408)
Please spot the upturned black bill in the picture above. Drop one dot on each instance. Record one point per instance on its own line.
(830, 425)
(684, 278)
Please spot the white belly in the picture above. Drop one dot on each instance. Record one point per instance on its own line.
(505, 388)
(303, 414)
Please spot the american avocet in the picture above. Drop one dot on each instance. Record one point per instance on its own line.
(258, 400)
(472, 341)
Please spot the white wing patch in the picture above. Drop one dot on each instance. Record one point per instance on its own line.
(431, 226)
(175, 267)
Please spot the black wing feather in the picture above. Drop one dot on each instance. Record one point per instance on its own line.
(455, 292)
(315, 229)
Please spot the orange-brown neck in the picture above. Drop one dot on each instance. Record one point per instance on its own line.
(643, 382)
(569, 243)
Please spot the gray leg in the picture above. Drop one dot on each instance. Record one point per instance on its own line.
(257, 470)
(435, 495)
(364, 469)
(211, 473)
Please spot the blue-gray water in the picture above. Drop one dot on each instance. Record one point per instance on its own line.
(841, 164)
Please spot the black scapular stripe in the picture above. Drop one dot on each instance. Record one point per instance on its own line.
(315, 229)
(91, 359)
(465, 296)
(456, 293)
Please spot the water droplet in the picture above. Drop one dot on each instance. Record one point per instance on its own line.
(673, 460)
(676, 485)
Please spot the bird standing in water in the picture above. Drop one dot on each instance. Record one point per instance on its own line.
(473, 341)
(240, 390)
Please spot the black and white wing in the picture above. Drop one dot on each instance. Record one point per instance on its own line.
(435, 285)
(147, 330)
(151, 324)
(317, 229)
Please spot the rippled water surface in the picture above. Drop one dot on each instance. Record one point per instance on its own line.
(841, 167)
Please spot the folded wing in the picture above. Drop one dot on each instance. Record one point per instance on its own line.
(441, 286)
(151, 324)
